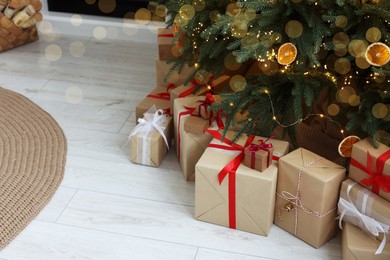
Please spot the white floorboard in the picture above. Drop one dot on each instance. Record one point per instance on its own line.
(107, 207)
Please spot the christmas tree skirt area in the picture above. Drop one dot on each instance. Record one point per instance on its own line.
(32, 160)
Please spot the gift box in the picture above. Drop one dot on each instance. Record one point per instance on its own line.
(175, 77)
(364, 209)
(228, 193)
(258, 155)
(356, 245)
(150, 139)
(189, 146)
(307, 195)
(371, 167)
(167, 46)
(159, 97)
(196, 125)
(215, 86)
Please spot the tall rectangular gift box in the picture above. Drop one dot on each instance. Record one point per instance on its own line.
(163, 68)
(159, 97)
(366, 210)
(228, 193)
(356, 245)
(166, 43)
(150, 139)
(189, 146)
(371, 167)
(307, 195)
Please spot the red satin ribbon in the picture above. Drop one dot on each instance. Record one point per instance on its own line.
(163, 96)
(378, 181)
(187, 111)
(208, 101)
(253, 148)
(166, 35)
(187, 92)
(171, 86)
(230, 169)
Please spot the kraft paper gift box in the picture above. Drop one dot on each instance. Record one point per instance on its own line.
(356, 245)
(149, 143)
(377, 176)
(158, 97)
(189, 147)
(258, 155)
(188, 90)
(167, 46)
(364, 209)
(176, 78)
(196, 125)
(242, 198)
(307, 195)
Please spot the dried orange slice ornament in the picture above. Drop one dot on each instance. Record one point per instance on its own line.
(287, 53)
(378, 54)
(345, 146)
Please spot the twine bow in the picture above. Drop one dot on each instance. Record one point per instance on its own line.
(349, 211)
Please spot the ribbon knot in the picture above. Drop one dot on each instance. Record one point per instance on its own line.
(350, 212)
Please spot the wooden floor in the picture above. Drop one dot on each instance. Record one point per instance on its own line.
(107, 207)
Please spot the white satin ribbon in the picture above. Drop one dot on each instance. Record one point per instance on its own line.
(146, 125)
(351, 214)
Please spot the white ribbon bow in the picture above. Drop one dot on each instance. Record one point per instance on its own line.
(352, 215)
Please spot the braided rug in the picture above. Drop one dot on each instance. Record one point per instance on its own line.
(32, 159)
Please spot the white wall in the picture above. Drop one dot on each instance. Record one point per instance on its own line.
(117, 30)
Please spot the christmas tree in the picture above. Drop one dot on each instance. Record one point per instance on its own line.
(333, 54)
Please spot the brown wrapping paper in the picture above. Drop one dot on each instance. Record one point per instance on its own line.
(258, 160)
(255, 192)
(356, 245)
(307, 195)
(191, 146)
(218, 85)
(157, 147)
(366, 202)
(359, 154)
(196, 125)
(166, 50)
(162, 70)
(148, 102)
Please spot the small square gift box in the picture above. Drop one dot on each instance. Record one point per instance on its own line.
(214, 86)
(159, 97)
(229, 194)
(167, 44)
(190, 141)
(371, 167)
(356, 245)
(258, 155)
(366, 210)
(164, 75)
(150, 139)
(307, 195)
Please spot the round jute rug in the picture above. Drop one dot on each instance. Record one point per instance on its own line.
(32, 161)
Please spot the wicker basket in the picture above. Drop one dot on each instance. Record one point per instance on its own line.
(12, 36)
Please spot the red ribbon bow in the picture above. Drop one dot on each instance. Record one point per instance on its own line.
(378, 181)
(230, 170)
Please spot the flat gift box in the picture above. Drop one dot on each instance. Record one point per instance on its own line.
(356, 245)
(189, 147)
(160, 99)
(376, 177)
(166, 43)
(252, 192)
(187, 90)
(307, 195)
(257, 157)
(176, 78)
(364, 201)
(155, 144)
(196, 125)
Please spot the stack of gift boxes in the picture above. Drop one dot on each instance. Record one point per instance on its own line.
(253, 182)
